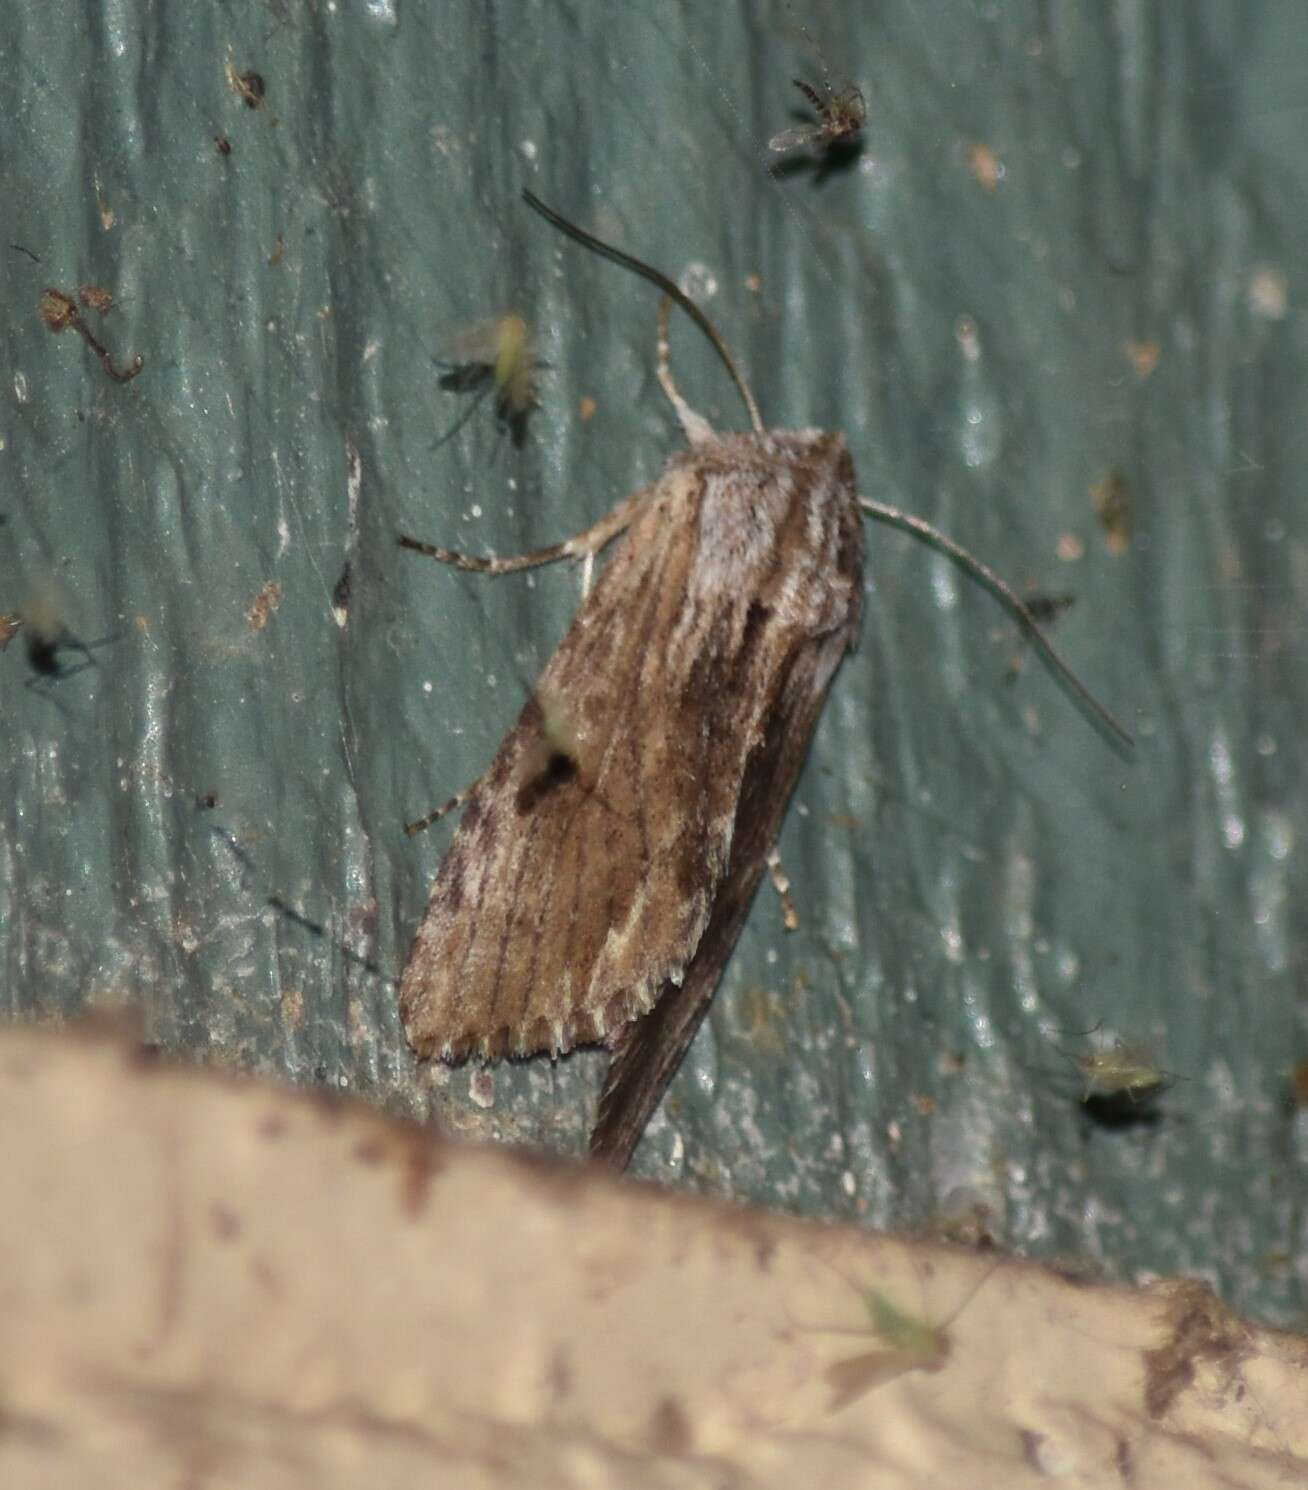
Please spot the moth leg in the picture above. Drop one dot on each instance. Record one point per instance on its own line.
(697, 429)
(435, 815)
(467, 414)
(781, 884)
(810, 94)
(583, 545)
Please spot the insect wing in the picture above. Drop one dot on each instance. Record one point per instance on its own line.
(793, 654)
(650, 1049)
(558, 913)
(794, 139)
(475, 344)
(857, 1375)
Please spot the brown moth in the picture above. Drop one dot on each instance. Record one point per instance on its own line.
(607, 858)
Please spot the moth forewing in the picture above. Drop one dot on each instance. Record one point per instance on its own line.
(769, 688)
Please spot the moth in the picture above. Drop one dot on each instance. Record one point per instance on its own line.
(498, 355)
(608, 856)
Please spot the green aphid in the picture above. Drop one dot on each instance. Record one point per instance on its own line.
(1122, 1070)
(905, 1343)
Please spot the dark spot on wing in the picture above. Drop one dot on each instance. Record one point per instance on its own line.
(558, 769)
(756, 619)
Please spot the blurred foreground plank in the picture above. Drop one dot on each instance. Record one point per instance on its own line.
(213, 1282)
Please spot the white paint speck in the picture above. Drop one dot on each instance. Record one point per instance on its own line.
(699, 282)
(1268, 293)
(1280, 836)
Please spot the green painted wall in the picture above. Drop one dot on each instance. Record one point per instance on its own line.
(978, 874)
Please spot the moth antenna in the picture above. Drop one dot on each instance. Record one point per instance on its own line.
(647, 271)
(1007, 597)
(696, 427)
